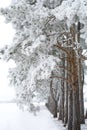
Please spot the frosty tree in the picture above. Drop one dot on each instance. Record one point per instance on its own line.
(42, 26)
(32, 47)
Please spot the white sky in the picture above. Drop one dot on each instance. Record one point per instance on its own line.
(4, 3)
(6, 36)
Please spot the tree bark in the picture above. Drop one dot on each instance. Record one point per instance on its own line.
(81, 100)
(76, 106)
(70, 110)
(62, 87)
(66, 96)
(60, 109)
(53, 100)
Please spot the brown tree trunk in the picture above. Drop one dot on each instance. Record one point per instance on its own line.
(70, 110)
(81, 100)
(76, 106)
(66, 95)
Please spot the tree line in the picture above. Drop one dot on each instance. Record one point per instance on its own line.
(48, 50)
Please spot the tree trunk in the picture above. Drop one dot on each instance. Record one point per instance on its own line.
(53, 100)
(70, 110)
(76, 106)
(66, 106)
(60, 109)
(55, 109)
(63, 88)
(80, 80)
(81, 100)
(66, 100)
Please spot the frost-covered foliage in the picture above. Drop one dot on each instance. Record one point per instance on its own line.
(38, 24)
(31, 49)
(51, 4)
(73, 11)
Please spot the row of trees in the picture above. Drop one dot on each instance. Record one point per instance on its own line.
(70, 103)
(48, 52)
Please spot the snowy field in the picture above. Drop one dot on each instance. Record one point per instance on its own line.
(11, 118)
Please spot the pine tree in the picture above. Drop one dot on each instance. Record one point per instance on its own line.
(40, 26)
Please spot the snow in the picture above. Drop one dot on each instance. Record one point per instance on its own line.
(12, 118)
(5, 3)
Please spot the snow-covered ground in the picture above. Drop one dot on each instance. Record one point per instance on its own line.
(11, 118)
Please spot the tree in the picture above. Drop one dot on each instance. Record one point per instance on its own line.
(40, 26)
(32, 50)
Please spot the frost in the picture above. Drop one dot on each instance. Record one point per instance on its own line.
(38, 28)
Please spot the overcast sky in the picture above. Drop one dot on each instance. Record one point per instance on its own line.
(6, 36)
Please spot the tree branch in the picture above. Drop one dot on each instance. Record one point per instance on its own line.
(62, 48)
(59, 77)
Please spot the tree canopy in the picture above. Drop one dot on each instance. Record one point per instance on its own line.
(38, 25)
